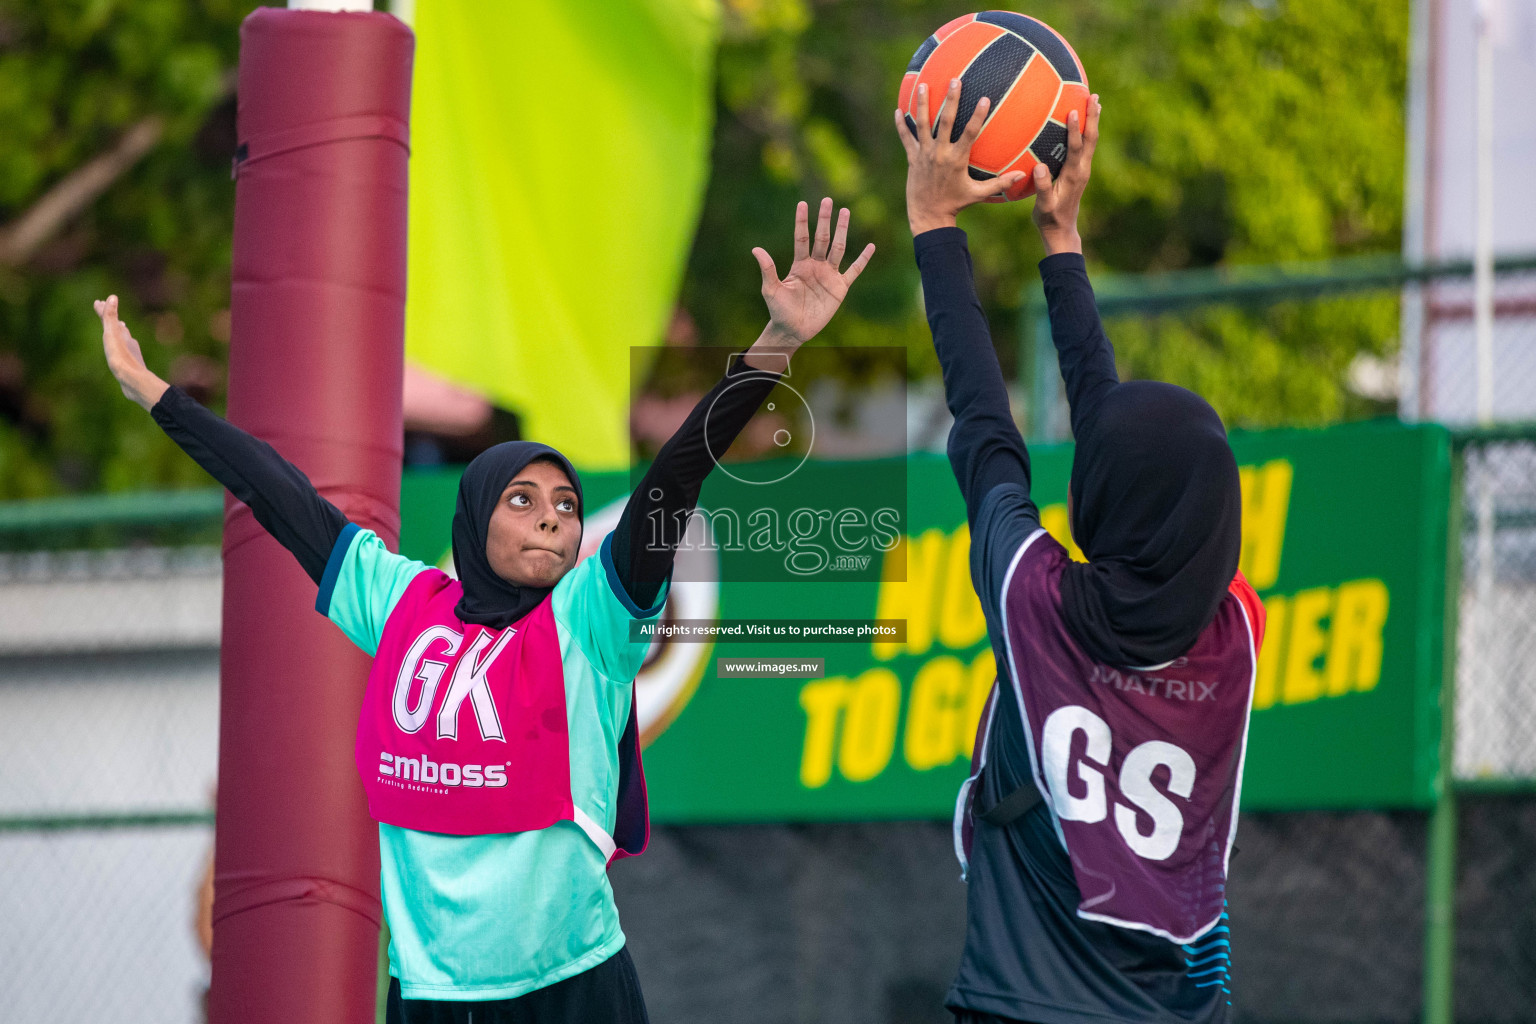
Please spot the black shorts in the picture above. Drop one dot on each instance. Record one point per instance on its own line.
(606, 994)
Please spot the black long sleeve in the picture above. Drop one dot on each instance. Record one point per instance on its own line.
(1086, 356)
(672, 483)
(985, 447)
(285, 503)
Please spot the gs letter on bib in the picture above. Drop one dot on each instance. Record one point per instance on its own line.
(1136, 788)
(1141, 767)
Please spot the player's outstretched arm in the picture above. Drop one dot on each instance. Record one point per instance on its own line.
(799, 306)
(280, 495)
(125, 359)
(1087, 359)
(985, 448)
(803, 303)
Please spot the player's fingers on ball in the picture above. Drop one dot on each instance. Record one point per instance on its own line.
(1074, 132)
(823, 229)
(908, 140)
(802, 231)
(769, 271)
(951, 107)
(1045, 188)
(984, 186)
(1075, 170)
(1080, 163)
(920, 115)
(857, 266)
(1001, 183)
(974, 125)
(1080, 154)
(839, 239)
(1091, 124)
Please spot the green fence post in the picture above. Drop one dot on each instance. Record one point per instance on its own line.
(1440, 901)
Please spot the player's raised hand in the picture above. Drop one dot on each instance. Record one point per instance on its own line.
(124, 358)
(1056, 202)
(939, 182)
(802, 303)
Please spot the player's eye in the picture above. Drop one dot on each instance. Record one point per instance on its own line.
(566, 505)
(519, 500)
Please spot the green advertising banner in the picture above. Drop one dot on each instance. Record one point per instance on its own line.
(1343, 537)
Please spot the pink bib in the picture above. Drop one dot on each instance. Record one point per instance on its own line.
(463, 727)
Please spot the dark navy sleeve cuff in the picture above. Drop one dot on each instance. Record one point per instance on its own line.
(333, 568)
(739, 367)
(1060, 261)
(937, 238)
(164, 408)
(605, 552)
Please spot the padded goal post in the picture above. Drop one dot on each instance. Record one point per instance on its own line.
(318, 307)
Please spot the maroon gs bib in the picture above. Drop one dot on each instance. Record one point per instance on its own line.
(1141, 767)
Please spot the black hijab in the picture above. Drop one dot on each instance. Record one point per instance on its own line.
(488, 599)
(1157, 509)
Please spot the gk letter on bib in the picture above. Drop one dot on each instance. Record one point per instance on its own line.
(463, 728)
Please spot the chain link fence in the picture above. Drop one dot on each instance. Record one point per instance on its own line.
(1439, 346)
(109, 678)
(1495, 685)
(100, 923)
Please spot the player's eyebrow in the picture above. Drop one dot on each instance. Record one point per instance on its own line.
(534, 484)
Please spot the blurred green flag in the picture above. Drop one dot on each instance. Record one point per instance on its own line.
(559, 156)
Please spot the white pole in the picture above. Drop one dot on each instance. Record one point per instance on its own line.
(1482, 259)
(1489, 686)
(330, 5)
(1417, 195)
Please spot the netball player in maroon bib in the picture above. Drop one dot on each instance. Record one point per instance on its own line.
(1096, 827)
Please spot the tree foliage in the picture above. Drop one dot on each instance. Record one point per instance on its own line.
(75, 75)
(1235, 131)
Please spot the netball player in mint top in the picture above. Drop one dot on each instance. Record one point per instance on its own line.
(497, 743)
(1095, 830)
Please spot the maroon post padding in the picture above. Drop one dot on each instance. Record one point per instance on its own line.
(315, 368)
